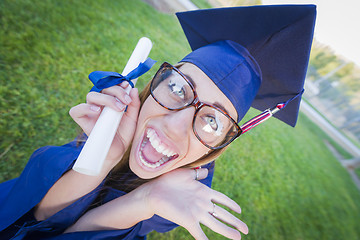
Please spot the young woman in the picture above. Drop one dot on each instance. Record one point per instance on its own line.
(184, 118)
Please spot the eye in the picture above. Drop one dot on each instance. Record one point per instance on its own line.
(211, 121)
(177, 89)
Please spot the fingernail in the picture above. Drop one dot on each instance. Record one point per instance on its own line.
(94, 108)
(124, 84)
(127, 99)
(119, 104)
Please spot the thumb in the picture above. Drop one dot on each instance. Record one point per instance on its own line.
(133, 108)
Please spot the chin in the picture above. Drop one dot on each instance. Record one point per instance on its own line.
(139, 172)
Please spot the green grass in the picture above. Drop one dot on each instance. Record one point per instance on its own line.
(345, 154)
(48, 48)
(357, 171)
(287, 182)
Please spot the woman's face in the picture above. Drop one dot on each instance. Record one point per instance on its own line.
(164, 140)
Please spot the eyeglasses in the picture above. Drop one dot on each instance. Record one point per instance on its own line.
(211, 125)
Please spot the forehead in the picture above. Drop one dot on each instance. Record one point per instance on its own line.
(206, 89)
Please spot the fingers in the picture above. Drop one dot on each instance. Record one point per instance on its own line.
(200, 173)
(133, 109)
(192, 204)
(196, 231)
(119, 93)
(124, 84)
(99, 99)
(83, 109)
(85, 115)
(222, 199)
(217, 213)
(114, 97)
(225, 216)
(221, 228)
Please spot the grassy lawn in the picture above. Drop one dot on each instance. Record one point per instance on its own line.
(48, 48)
(287, 182)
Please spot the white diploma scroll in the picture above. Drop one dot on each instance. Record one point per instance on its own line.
(92, 156)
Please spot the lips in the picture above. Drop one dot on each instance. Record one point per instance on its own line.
(153, 153)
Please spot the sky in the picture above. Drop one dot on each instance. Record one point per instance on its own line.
(337, 25)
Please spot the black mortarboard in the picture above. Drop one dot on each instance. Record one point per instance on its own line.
(231, 44)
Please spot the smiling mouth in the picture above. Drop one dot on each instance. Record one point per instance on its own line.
(153, 153)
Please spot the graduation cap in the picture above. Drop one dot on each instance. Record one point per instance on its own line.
(257, 56)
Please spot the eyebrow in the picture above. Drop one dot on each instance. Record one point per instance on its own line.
(219, 105)
(190, 80)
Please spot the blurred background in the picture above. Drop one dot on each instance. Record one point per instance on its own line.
(292, 183)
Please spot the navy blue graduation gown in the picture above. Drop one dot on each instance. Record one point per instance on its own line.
(46, 165)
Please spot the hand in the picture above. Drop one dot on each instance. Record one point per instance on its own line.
(178, 197)
(115, 97)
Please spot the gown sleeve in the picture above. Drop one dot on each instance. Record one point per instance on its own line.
(46, 165)
(20, 195)
(140, 230)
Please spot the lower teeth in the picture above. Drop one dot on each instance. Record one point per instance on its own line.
(163, 160)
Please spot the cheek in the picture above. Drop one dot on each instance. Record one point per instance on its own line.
(144, 115)
(192, 149)
(149, 109)
(195, 151)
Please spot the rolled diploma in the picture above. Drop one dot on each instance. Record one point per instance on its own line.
(97, 146)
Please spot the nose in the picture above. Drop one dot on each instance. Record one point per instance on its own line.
(179, 123)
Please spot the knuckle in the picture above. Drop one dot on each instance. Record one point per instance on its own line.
(117, 104)
(116, 91)
(204, 190)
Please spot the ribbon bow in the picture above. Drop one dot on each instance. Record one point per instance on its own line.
(102, 80)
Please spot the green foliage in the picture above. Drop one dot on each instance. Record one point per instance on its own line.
(287, 182)
(324, 61)
(202, 4)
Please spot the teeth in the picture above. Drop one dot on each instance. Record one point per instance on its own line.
(153, 165)
(166, 152)
(160, 148)
(156, 143)
(147, 163)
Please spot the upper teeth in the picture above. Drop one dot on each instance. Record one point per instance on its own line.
(157, 145)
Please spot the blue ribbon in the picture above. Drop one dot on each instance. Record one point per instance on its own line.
(102, 80)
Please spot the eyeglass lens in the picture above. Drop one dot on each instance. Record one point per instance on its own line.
(172, 91)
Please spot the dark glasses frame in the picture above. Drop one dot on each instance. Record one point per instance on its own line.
(197, 104)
